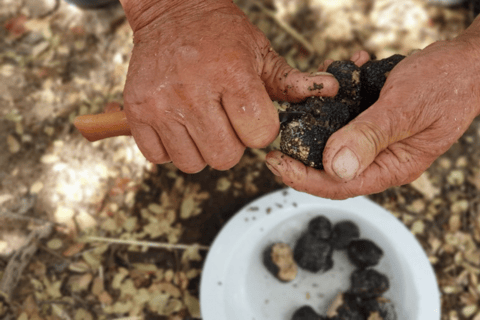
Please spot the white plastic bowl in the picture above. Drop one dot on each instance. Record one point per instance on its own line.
(236, 286)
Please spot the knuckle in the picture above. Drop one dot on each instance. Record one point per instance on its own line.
(191, 168)
(262, 136)
(226, 160)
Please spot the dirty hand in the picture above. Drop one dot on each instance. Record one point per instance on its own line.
(201, 81)
(427, 103)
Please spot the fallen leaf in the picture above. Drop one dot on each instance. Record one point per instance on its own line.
(16, 26)
(192, 305)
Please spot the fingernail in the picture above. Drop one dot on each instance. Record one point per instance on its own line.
(272, 164)
(345, 164)
(356, 56)
(321, 73)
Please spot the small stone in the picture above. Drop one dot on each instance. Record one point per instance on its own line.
(456, 177)
(36, 187)
(469, 311)
(13, 145)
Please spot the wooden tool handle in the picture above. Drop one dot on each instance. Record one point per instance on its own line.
(101, 126)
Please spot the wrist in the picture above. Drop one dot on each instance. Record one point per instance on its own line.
(141, 13)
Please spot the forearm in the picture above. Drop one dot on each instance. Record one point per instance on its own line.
(141, 13)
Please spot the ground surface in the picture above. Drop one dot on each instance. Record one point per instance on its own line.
(57, 62)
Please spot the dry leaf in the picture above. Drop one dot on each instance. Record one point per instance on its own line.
(425, 187)
(191, 254)
(82, 314)
(158, 303)
(105, 298)
(79, 266)
(192, 305)
(97, 286)
(74, 249)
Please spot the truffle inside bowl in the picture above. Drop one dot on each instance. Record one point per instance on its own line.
(236, 285)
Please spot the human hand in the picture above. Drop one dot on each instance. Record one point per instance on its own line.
(201, 81)
(426, 104)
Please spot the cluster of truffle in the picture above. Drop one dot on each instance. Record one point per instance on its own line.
(304, 137)
(313, 252)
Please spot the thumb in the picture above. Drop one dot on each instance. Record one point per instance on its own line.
(285, 83)
(352, 149)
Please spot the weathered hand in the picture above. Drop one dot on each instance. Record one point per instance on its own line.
(201, 80)
(427, 103)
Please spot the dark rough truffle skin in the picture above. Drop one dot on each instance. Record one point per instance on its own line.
(383, 306)
(304, 137)
(373, 76)
(307, 313)
(343, 233)
(364, 253)
(313, 254)
(320, 227)
(278, 259)
(368, 283)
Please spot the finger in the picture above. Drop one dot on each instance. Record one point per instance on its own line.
(214, 136)
(149, 143)
(251, 111)
(378, 177)
(180, 146)
(325, 64)
(360, 58)
(285, 83)
(350, 150)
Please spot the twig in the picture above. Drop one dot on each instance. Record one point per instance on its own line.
(143, 243)
(285, 26)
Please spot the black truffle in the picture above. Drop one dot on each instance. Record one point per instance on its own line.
(313, 254)
(343, 233)
(304, 137)
(307, 313)
(320, 227)
(368, 283)
(278, 259)
(364, 253)
(373, 75)
(384, 308)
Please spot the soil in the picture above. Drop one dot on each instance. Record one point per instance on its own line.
(57, 61)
